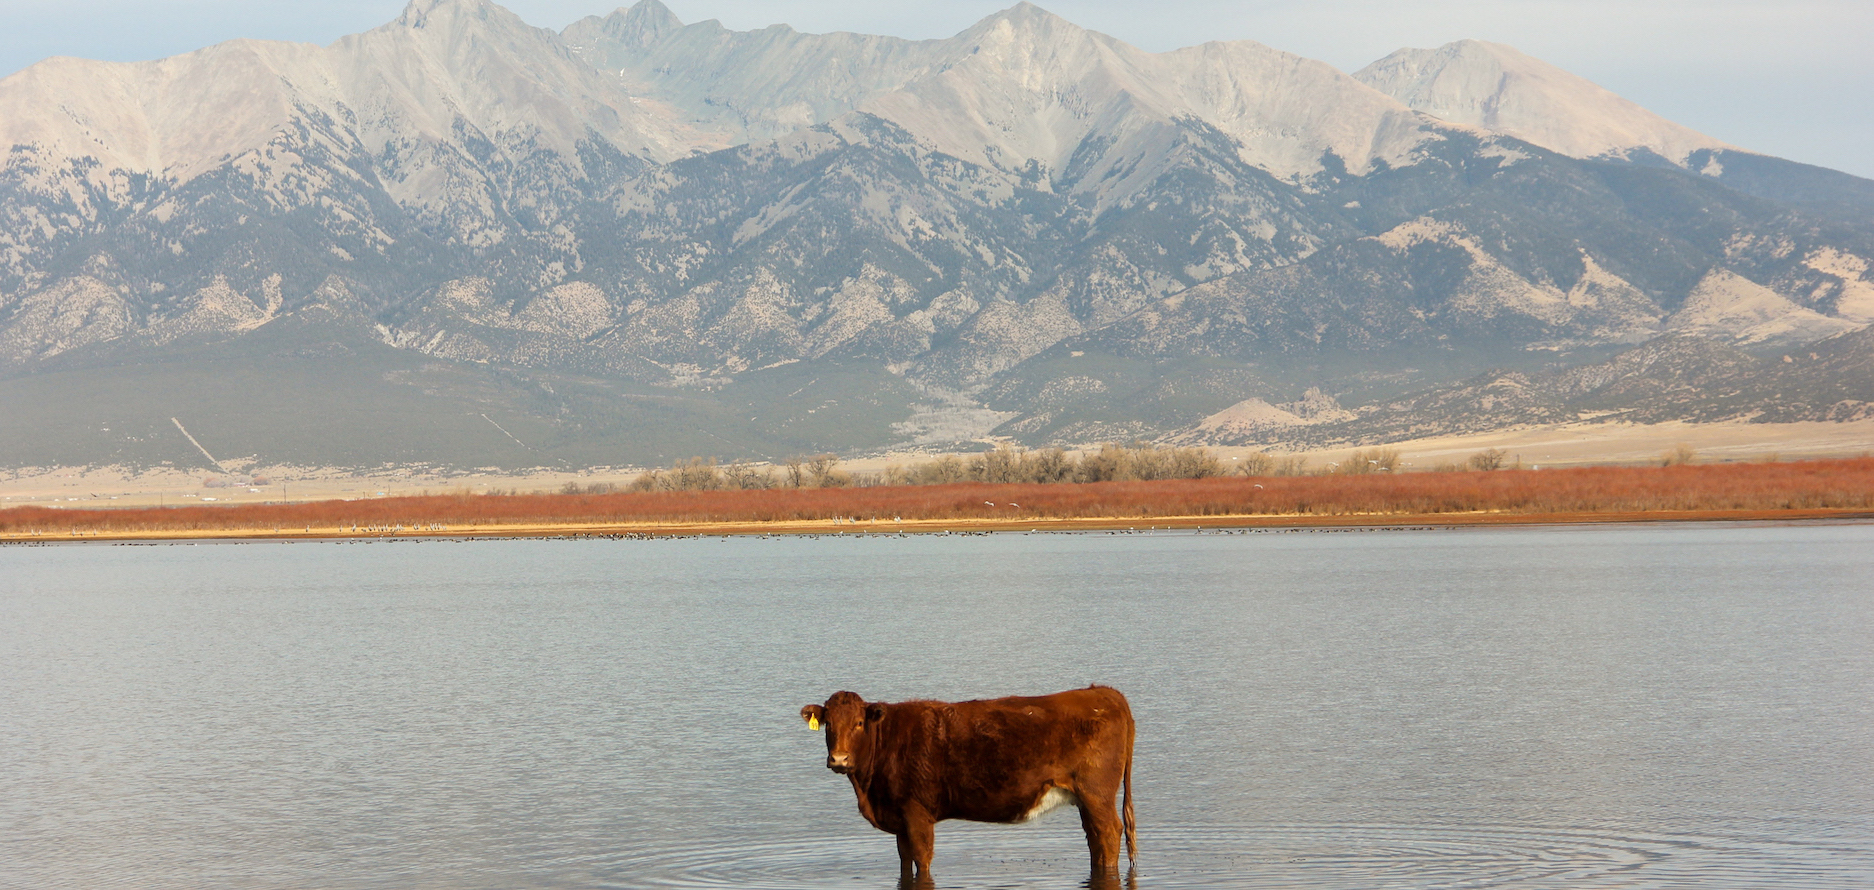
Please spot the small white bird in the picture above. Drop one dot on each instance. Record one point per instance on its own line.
(990, 503)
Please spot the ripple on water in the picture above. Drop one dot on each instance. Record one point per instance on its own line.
(1316, 856)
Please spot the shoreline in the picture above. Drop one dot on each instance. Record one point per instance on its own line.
(939, 527)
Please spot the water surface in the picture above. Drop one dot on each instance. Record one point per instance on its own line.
(1664, 706)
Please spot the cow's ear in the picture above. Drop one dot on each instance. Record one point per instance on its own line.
(814, 715)
(874, 712)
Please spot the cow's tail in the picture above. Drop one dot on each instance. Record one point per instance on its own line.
(1125, 813)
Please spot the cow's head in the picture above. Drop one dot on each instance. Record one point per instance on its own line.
(846, 718)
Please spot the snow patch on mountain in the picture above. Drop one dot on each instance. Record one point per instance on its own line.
(1622, 313)
(860, 304)
(1854, 294)
(75, 312)
(1599, 307)
(1488, 289)
(576, 310)
(219, 309)
(1001, 335)
(1730, 306)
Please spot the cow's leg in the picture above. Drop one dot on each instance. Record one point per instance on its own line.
(907, 860)
(916, 843)
(1101, 822)
(907, 875)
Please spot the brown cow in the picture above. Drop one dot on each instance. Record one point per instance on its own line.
(916, 763)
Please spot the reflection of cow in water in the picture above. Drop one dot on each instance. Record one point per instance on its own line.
(917, 763)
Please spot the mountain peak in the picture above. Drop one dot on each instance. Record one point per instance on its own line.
(420, 12)
(1024, 34)
(634, 28)
(1471, 47)
(1026, 17)
(1027, 10)
(643, 23)
(1496, 87)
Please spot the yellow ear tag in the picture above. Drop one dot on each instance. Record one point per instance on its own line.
(813, 723)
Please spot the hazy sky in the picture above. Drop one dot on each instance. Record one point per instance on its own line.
(1793, 78)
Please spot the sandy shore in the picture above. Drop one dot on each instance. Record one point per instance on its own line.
(1556, 445)
(942, 526)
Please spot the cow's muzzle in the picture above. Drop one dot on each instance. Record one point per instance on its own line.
(839, 763)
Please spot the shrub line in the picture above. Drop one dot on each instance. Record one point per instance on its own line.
(1769, 489)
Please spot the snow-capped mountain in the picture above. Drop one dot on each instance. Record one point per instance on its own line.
(1497, 88)
(1021, 86)
(456, 120)
(639, 237)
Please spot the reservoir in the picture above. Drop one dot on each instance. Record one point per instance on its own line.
(1649, 706)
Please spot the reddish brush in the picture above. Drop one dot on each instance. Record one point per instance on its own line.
(1763, 487)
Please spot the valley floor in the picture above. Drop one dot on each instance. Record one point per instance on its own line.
(1558, 445)
(1579, 444)
(1755, 491)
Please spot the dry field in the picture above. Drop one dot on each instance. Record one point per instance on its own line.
(1838, 488)
(1555, 445)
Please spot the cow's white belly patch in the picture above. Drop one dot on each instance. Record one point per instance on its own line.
(1054, 799)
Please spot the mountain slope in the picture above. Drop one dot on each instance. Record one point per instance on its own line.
(1672, 378)
(1497, 88)
(456, 123)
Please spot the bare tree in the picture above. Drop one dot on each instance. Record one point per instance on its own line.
(1680, 455)
(1487, 459)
